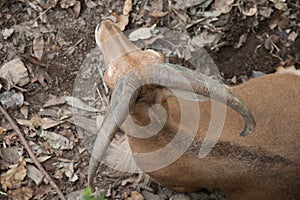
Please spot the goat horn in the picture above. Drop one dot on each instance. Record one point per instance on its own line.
(123, 98)
(175, 77)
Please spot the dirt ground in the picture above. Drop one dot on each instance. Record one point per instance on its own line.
(246, 41)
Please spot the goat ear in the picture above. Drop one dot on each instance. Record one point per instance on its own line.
(123, 98)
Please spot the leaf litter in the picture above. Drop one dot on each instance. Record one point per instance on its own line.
(36, 39)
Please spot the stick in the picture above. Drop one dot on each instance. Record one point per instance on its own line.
(31, 154)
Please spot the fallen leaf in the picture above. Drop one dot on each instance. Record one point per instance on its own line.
(127, 7)
(67, 3)
(7, 32)
(77, 103)
(11, 154)
(248, 10)
(224, 6)
(158, 5)
(54, 101)
(41, 75)
(38, 46)
(69, 172)
(77, 9)
(157, 13)
(140, 34)
(14, 175)
(15, 72)
(49, 123)
(182, 15)
(274, 21)
(42, 191)
(35, 122)
(2, 130)
(57, 141)
(183, 4)
(24, 110)
(11, 138)
(90, 3)
(34, 174)
(24, 193)
(292, 36)
(47, 4)
(242, 41)
(206, 39)
(280, 5)
(265, 11)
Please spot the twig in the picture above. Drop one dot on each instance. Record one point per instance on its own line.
(73, 47)
(31, 154)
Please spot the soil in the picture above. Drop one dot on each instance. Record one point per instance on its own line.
(235, 64)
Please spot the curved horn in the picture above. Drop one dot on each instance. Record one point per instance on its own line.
(123, 97)
(170, 76)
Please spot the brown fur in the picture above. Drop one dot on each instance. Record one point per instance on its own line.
(262, 165)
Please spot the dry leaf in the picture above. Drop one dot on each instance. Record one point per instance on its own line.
(7, 33)
(48, 4)
(11, 154)
(224, 6)
(69, 172)
(49, 123)
(280, 5)
(38, 47)
(41, 75)
(127, 7)
(242, 40)
(24, 193)
(24, 110)
(140, 34)
(15, 72)
(57, 141)
(35, 122)
(292, 36)
(42, 191)
(181, 15)
(2, 130)
(183, 4)
(14, 175)
(54, 101)
(248, 10)
(77, 9)
(77, 103)
(34, 174)
(273, 23)
(157, 5)
(67, 3)
(90, 3)
(265, 11)
(206, 39)
(157, 13)
(11, 138)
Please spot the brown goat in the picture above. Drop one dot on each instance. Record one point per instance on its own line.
(263, 165)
